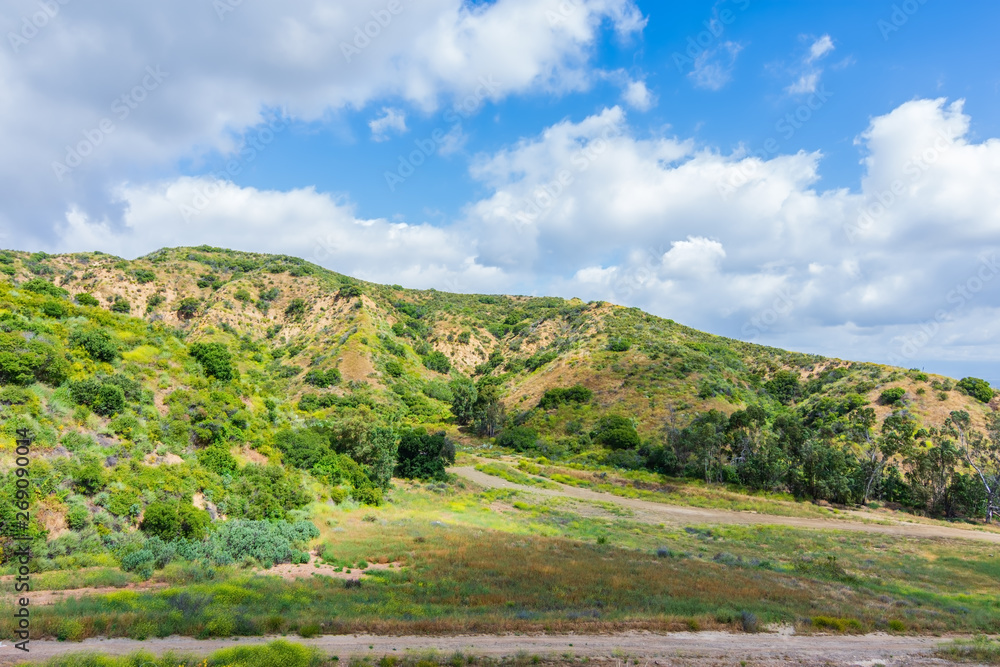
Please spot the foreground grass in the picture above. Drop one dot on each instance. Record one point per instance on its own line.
(281, 653)
(980, 649)
(497, 561)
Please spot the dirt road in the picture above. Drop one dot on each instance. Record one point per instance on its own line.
(652, 512)
(683, 648)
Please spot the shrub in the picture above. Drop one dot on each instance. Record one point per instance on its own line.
(616, 432)
(85, 299)
(784, 386)
(55, 309)
(978, 389)
(121, 305)
(215, 359)
(188, 308)
(77, 517)
(42, 286)
(892, 395)
(838, 624)
(437, 361)
(367, 495)
(749, 622)
(23, 362)
(88, 478)
(619, 345)
(349, 292)
(143, 276)
(97, 343)
(173, 519)
(243, 295)
(553, 398)
(327, 378)
(154, 301)
(296, 309)
(518, 438)
(218, 460)
(99, 394)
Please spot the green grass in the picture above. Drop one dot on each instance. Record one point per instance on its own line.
(981, 650)
(506, 472)
(279, 652)
(492, 562)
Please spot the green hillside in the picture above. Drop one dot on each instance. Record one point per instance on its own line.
(194, 385)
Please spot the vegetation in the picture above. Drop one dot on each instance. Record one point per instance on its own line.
(209, 434)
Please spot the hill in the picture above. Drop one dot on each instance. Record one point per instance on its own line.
(246, 386)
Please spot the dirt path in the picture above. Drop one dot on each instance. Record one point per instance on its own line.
(652, 512)
(683, 648)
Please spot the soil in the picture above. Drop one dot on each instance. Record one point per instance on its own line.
(652, 512)
(684, 648)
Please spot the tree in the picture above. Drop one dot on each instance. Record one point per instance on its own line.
(489, 412)
(896, 437)
(981, 453)
(296, 309)
(98, 343)
(370, 443)
(784, 386)
(464, 396)
(424, 456)
(437, 361)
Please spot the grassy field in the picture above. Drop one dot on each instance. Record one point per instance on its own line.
(497, 561)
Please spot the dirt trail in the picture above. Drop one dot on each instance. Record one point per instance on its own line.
(682, 648)
(652, 512)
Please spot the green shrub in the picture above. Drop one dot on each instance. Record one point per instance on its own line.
(367, 495)
(218, 460)
(23, 361)
(188, 308)
(215, 359)
(619, 345)
(616, 432)
(85, 299)
(296, 309)
(553, 398)
(55, 309)
(77, 517)
(978, 389)
(323, 379)
(394, 368)
(892, 395)
(518, 438)
(143, 276)
(242, 295)
(42, 286)
(437, 361)
(97, 343)
(121, 305)
(173, 519)
(424, 456)
(838, 624)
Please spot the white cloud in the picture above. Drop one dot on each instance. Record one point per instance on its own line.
(713, 68)
(638, 96)
(807, 72)
(392, 121)
(226, 72)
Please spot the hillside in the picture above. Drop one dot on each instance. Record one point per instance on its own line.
(251, 384)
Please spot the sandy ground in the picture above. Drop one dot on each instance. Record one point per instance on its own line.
(684, 648)
(652, 512)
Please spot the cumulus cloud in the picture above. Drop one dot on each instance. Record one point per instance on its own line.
(638, 96)
(392, 121)
(82, 83)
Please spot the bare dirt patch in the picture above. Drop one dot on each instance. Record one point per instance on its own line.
(291, 571)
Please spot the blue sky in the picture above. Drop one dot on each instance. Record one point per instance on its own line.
(817, 176)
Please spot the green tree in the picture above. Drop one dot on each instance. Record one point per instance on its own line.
(978, 389)
(424, 456)
(464, 397)
(98, 343)
(175, 519)
(784, 386)
(981, 453)
(188, 308)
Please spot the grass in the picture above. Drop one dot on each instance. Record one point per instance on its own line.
(511, 475)
(490, 562)
(279, 652)
(981, 650)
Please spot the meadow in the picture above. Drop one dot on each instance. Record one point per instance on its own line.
(499, 561)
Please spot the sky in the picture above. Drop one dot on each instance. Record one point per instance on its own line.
(820, 177)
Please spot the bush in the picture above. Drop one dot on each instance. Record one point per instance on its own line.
(437, 361)
(367, 495)
(85, 299)
(518, 438)
(101, 395)
(619, 345)
(784, 386)
(218, 460)
(23, 362)
(215, 359)
(553, 398)
(188, 308)
(77, 517)
(173, 519)
(121, 305)
(394, 368)
(616, 432)
(42, 286)
(978, 389)
(323, 379)
(892, 395)
(97, 343)
(88, 478)
(55, 309)
(143, 276)
(296, 309)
